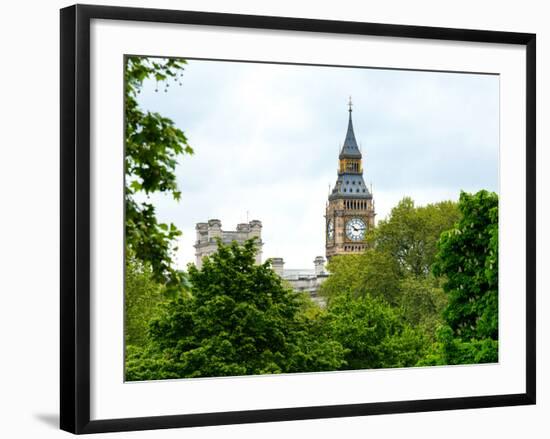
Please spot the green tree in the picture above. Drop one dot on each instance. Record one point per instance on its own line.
(141, 298)
(238, 320)
(401, 247)
(422, 301)
(374, 334)
(373, 273)
(396, 270)
(153, 146)
(410, 234)
(449, 349)
(468, 260)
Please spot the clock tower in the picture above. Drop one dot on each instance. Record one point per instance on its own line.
(350, 208)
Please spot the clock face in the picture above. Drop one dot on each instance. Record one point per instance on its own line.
(356, 229)
(330, 229)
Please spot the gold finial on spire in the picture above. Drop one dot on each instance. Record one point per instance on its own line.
(350, 104)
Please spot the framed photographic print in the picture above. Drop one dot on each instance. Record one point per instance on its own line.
(273, 218)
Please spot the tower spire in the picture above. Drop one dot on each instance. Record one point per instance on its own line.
(350, 148)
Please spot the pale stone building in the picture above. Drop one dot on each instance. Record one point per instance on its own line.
(305, 280)
(208, 232)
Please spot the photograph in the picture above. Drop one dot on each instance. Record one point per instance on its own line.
(275, 219)
(291, 218)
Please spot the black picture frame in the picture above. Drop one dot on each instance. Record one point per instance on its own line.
(75, 217)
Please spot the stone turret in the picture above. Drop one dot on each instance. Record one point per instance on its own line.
(208, 232)
(243, 227)
(278, 265)
(214, 229)
(255, 228)
(319, 263)
(256, 232)
(202, 232)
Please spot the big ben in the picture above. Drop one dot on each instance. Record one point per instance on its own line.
(350, 208)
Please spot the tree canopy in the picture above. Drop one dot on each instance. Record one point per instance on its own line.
(153, 146)
(374, 334)
(397, 264)
(238, 320)
(425, 292)
(437, 267)
(410, 234)
(467, 258)
(142, 295)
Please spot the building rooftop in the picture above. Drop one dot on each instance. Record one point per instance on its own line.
(300, 273)
(350, 186)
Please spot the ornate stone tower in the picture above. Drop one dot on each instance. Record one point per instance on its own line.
(350, 207)
(207, 234)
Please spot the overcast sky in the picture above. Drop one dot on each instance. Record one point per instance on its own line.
(266, 140)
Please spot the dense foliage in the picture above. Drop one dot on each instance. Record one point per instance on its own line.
(374, 334)
(371, 273)
(424, 293)
(411, 233)
(397, 265)
(422, 301)
(238, 320)
(468, 260)
(141, 298)
(153, 146)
